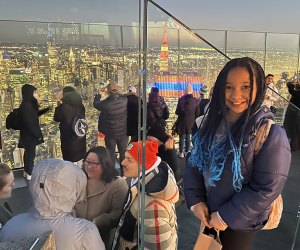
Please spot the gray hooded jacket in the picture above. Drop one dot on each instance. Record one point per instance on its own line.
(55, 187)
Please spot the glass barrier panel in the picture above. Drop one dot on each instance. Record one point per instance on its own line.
(251, 44)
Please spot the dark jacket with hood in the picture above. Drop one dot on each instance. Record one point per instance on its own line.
(186, 111)
(264, 178)
(157, 112)
(113, 116)
(132, 114)
(73, 147)
(292, 117)
(30, 132)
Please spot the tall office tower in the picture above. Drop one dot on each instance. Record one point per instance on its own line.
(3, 70)
(71, 67)
(72, 61)
(164, 55)
(83, 67)
(52, 55)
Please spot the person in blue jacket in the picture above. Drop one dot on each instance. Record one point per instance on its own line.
(226, 186)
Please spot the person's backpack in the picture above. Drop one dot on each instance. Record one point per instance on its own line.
(79, 125)
(13, 120)
(276, 207)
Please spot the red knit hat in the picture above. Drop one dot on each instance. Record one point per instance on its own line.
(151, 151)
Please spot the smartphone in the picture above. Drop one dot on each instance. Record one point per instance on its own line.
(101, 85)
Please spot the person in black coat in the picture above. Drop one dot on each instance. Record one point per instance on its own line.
(157, 109)
(292, 115)
(132, 113)
(166, 150)
(186, 111)
(73, 147)
(30, 132)
(113, 120)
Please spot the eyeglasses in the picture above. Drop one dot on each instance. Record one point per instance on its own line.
(87, 163)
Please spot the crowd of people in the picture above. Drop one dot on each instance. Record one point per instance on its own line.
(229, 184)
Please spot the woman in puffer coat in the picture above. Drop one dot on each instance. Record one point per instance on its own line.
(73, 147)
(30, 132)
(229, 184)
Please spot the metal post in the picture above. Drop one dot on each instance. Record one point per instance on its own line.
(145, 44)
(139, 103)
(298, 54)
(265, 52)
(178, 62)
(123, 57)
(226, 40)
(296, 230)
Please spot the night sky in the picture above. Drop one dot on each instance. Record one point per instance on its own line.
(255, 15)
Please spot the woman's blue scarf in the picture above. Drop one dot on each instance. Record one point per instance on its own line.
(211, 155)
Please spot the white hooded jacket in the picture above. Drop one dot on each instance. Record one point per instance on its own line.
(55, 187)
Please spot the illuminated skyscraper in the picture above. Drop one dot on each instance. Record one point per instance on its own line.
(72, 61)
(52, 54)
(164, 55)
(2, 70)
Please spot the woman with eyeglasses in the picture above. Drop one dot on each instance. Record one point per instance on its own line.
(106, 192)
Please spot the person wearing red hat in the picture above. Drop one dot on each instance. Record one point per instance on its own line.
(161, 193)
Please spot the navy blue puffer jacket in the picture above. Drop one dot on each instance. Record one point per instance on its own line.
(264, 178)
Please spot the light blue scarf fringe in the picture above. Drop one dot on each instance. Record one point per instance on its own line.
(213, 158)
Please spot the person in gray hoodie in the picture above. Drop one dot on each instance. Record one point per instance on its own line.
(56, 187)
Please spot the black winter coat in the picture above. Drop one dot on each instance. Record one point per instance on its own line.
(113, 116)
(187, 113)
(157, 113)
(30, 132)
(73, 147)
(132, 114)
(170, 157)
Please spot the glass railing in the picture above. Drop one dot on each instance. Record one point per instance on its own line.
(279, 55)
(54, 55)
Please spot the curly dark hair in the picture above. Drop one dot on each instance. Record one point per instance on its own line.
(109, 172)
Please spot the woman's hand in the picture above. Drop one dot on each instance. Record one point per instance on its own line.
(216, 222)
(201, 211)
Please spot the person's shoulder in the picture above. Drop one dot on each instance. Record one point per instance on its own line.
(26, 105)
(70, 221)
(86, 230)
(278, 133)
(119, 182)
